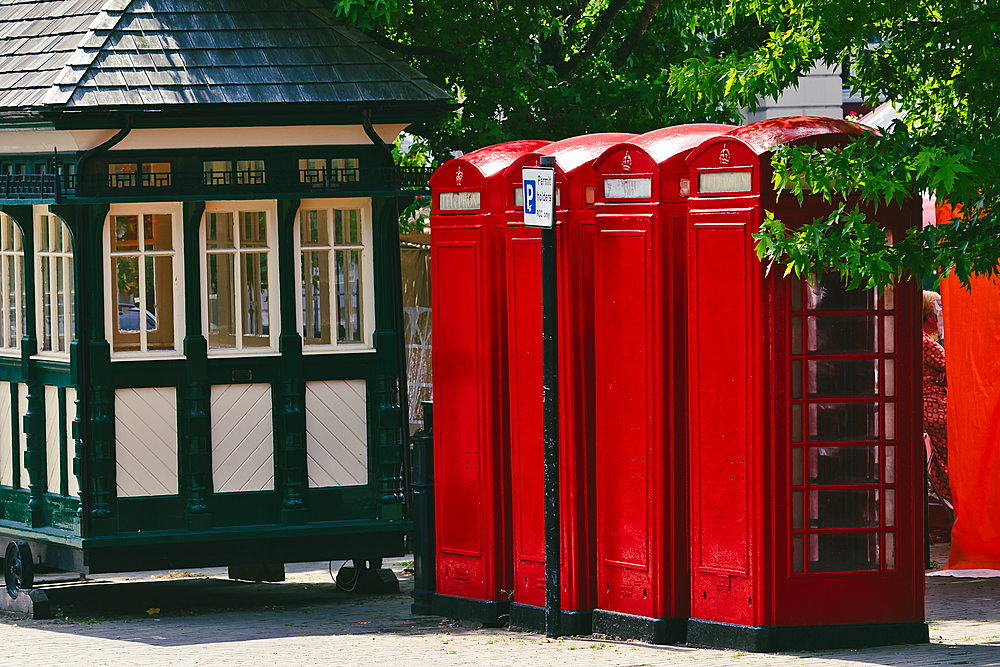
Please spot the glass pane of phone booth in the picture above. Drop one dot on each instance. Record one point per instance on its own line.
(842, 422)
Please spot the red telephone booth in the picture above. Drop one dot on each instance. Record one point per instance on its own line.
(805, 460)
(471, 436)
(575, 187)
(641, 569)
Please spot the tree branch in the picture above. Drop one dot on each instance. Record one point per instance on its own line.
(413, 49)
(636, 33)
(600, 30)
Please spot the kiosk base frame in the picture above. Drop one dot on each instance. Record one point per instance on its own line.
(491, 613)
(532, 618)
(642, 628)
(769, 639)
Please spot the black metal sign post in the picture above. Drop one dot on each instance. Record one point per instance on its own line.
(539, 207)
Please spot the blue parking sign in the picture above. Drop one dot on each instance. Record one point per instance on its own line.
(538, 188)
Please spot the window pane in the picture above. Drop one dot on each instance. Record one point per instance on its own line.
(47, 303)
(890, 334)
(158, 306)
(125, 233)
(797, 422)
(890, 551)
(843, 552)
(218, 173)
(796, 379)
(253, 229)
(221, 307)
(830, 293)
(312, 171)
(889, 297)
(795, 295)
(890, 507)
(316, 298)
(842, 378)
(843, 465)
(890, 465)
(12, 314)
(156, 174)
(347, 227)
(157, 232)
(8, 232)
(796, 335)
(44, 224)
(796, 510)
(797, 555)
(847, 508)
(349, 296)
(842, 335)
(121, 175)
(796, 466)
(249, 172)
(255, 314)
(890, 377)
(843, 421)
(313, 229)
(127, 313)
(71, 300)
(890, 420)
(60, 334)
(219, 231)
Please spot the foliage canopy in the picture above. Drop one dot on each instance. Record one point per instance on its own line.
(938, 62)
(550, 69)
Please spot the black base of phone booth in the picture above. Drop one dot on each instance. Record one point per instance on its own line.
(804, 637)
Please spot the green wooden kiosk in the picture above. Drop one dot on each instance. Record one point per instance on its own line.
(200, 357)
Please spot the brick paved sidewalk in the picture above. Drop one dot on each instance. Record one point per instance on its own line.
(207, 620)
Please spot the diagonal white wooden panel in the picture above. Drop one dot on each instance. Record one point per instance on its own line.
(6, 437)
(53, 460)
(242, 438)
(336, 433)
(74, 483)
(146, 441)
(22, 409)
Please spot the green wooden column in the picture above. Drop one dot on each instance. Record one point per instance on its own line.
(290, 403)
(388, 325)
(196, 426)
(90, 370)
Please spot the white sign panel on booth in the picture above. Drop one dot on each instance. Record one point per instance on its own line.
(539, 184)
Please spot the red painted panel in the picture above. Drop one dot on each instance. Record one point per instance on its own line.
(722, 402)
(458, 422)
(524, 316)
(624, 514)
(721, 339)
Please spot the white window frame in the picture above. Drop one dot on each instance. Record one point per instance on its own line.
(367, 275)
(68, 270)
(270, 207)
(7, 250)
(176, 212)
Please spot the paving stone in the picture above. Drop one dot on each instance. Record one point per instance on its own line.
(203, 618)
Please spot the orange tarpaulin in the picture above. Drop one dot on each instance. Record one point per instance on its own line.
(972, 343)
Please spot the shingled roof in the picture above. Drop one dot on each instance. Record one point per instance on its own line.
(114, 54)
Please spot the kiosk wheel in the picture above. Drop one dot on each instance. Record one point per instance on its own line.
(18, 572)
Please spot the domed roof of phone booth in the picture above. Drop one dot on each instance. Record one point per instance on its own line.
(666, 142)
(764, 135)
(576, 152)
(492, 160)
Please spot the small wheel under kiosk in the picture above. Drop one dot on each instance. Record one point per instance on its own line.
(18, 571)
(366, 576)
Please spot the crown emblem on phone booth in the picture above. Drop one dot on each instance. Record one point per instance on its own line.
(724, 155)
(458, 176)
(627, 162)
